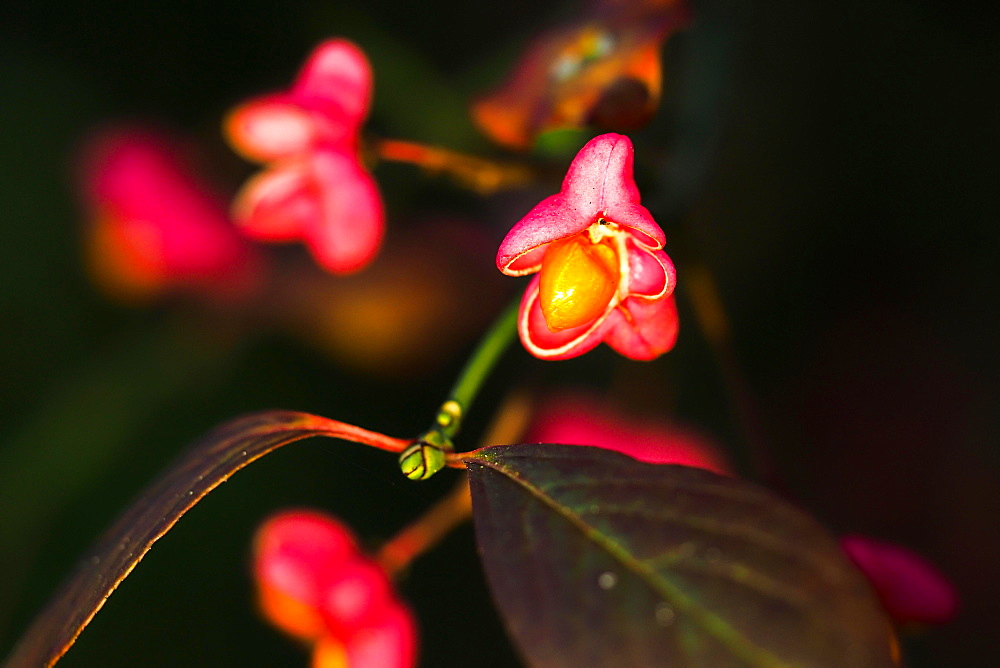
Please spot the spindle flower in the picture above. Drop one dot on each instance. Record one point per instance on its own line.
(602, 273)
(155, 229)
(315, 584)
(314, 187)
(586, 419)
(912, 590)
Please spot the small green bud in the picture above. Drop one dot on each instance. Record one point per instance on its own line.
(449, 413)
(421, 460)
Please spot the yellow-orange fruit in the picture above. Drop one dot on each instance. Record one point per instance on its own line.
(578, 280)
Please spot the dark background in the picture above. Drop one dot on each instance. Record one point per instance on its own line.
(833, 163)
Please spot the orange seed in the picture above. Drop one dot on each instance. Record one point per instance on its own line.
(578, 280)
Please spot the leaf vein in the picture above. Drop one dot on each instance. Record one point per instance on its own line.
(734, 529)
(708, 621)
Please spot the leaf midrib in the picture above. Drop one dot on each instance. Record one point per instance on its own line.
(710, 622)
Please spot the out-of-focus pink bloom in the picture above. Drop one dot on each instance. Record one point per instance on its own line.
(581, 419)
(295, 556)
(388, 642)
(910, 588)
(314, 187)
(603, 70)
(154, 228)
(315, 584)
(602, 273)
(912, 591)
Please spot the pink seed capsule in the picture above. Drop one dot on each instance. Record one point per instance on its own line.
(354, 595)
(296, 554)
(911, 589)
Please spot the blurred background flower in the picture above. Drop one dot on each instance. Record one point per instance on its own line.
(313, 187)
(315, 584)
(586, 419)
(913, 591)
(154, 229)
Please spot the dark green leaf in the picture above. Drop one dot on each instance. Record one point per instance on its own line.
(596, 559)
(204, 466)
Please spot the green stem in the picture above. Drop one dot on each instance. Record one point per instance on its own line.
(427, 455)
(491, 347)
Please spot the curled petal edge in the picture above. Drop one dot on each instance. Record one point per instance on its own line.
(651, 273)
(551, 219)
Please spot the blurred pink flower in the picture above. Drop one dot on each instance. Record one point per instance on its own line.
(154, 228)
(314, 187)
(580, 419)
(315, 584)
(602, 273)
(912, 591)
(910, 588)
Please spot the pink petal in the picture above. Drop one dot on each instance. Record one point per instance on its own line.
(337, 76)
(353, 596)
(136, 174)
(598, 182)
(640, 223)
(644, 329)
(271, 128)
(910, 588)
(391, 643)
(545, 344)
(346, 236)
(553, 218)
(193, 251)
(651, 273)
(279, 203)
(325, 106)
(600, 175)
(586, 420)
(166, 218)
(295, 552)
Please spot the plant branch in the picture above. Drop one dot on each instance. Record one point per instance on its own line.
(428, 453)
(202, 468)
(481, 175)
(711, 318)
(427, 530)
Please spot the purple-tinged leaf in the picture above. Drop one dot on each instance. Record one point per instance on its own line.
(198, 471)
(596, 559)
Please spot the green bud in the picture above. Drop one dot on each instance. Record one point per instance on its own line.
(421, 460)
(449, 414)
